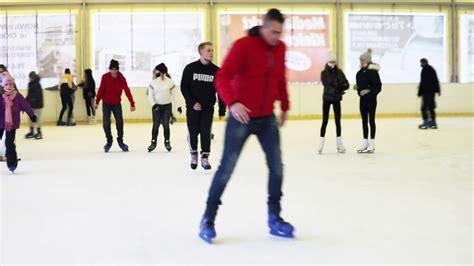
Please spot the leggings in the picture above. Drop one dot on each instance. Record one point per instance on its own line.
(337, 117)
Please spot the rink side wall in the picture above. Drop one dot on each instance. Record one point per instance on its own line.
(395, 100)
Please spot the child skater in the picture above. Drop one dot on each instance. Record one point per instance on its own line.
(11, 104)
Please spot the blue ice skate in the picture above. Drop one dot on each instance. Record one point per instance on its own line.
(425, 125)
(107, 146)
(12, 168)
(123, 146)
(432, 125)
(278, 227)
(207, 231)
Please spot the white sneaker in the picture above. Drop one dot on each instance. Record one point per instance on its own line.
(371, 147)
(321, 145)
(340, 146)
(363, 146)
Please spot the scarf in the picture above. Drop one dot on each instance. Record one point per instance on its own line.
(8, 99)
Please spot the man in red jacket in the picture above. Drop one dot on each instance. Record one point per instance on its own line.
(110, 91)
(251, 79)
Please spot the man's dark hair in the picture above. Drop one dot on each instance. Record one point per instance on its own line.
(114, 64)
(424, 61)
(202, 45)
(3, 67)
(67, 71)
(274, 15)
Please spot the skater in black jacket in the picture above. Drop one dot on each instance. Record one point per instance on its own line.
(429, 86)
(368, 87)
(88, 92)
(35, 99)
(197, 86)
(335, 84)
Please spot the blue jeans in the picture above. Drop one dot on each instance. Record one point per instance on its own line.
(107, 110)
(267, 132)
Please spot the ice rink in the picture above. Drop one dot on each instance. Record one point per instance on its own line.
(410, 202)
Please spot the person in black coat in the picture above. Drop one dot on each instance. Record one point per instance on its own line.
(335, 83)
(368, 87)
(89, 94)
(429, 86)
(35, 98)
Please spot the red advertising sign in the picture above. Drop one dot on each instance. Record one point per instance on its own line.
(306, 35)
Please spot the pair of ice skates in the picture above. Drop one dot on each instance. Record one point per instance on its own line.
(278, 227)
(368, 146)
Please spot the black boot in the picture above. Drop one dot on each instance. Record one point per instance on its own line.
(38, 135)
(194, 159)
(31, 134)
(167, 145)
(70, 122)
(152, 146)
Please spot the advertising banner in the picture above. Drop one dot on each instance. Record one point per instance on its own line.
(398, 41)
(306, 34)
(45, 43)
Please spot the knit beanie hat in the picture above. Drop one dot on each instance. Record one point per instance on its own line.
(367, 56)
(162, 68)
(330, 57)
(114, 64)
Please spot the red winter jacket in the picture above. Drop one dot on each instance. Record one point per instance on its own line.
(253, 74)
(110, 90)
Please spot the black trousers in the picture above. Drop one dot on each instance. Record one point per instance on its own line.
(10, 152)
(200, 123)
(90, 106)
(368, 107)
(161, 115)
(66, 102)
(107, 110)
(337, 117)
(428, 105)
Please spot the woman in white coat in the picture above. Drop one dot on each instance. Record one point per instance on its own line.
(161, 93)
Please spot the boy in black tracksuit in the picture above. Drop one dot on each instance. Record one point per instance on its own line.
(429, 86)
(197, 86)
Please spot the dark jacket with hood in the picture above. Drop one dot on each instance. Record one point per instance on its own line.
(429, 83)
(35, 94)
(368, 78)
(334, 82)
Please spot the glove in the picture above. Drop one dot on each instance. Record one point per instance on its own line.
(180, 110)
(34, 119)
(364, 92)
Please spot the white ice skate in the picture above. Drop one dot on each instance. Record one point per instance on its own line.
(321, 145)
(363, 146)
(340, 146)
(371, 148)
